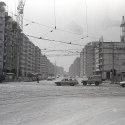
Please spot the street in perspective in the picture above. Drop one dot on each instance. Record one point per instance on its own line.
(62, 62)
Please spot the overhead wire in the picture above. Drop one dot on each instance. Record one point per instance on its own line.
(38, 23)
(70, 43)
(46, 50)
(51, 27)
(62, 52)
(48, 33)
(57, 29)
(80, 39)
(56, 55)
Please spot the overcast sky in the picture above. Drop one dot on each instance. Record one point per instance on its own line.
(103, 18)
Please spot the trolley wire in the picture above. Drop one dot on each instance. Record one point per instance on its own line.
(69, 43)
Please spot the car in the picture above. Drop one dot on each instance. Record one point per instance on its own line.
(67, 81)
(122, 83)
(95, 79)
(49, 78)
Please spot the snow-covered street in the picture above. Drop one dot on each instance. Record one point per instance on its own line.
(30, 103)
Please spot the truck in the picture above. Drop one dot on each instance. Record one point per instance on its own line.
(95, 79)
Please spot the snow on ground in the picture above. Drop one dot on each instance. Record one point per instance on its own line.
(30, 103)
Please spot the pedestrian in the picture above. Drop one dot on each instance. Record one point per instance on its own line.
(37, 79)
(2, 78)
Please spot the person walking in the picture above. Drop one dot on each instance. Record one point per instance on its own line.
(37, 79)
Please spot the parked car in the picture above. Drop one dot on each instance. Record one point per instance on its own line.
(122, 83)
(67, 81)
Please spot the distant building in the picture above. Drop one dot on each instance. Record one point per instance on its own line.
(71, 70)
(74, 69)
(44, 65)
(37, 59)
(82, 64)
(59, 70)
(51, 69)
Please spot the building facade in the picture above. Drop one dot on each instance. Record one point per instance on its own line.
(18, 55)
(37, 59)
(51, 69)
(112, 60)
(74, 69)
(2, 27)
(82, 65)
(27, 59)
(44, 66)
(88, 60)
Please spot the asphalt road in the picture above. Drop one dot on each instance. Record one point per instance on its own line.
(30, 103)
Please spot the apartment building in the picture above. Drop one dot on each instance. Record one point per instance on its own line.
(82, 65)
(37, 59)
(89, 59)
(71, 70)
(112, 60)
(2, 27)
(74, 69)
(44, 66)
(8, 44)
(18, 54)
(51, 69)
(32, 61)
(27, 59)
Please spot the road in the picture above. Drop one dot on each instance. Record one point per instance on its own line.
(29, 103)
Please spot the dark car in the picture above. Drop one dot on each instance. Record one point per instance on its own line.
(67, 81)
